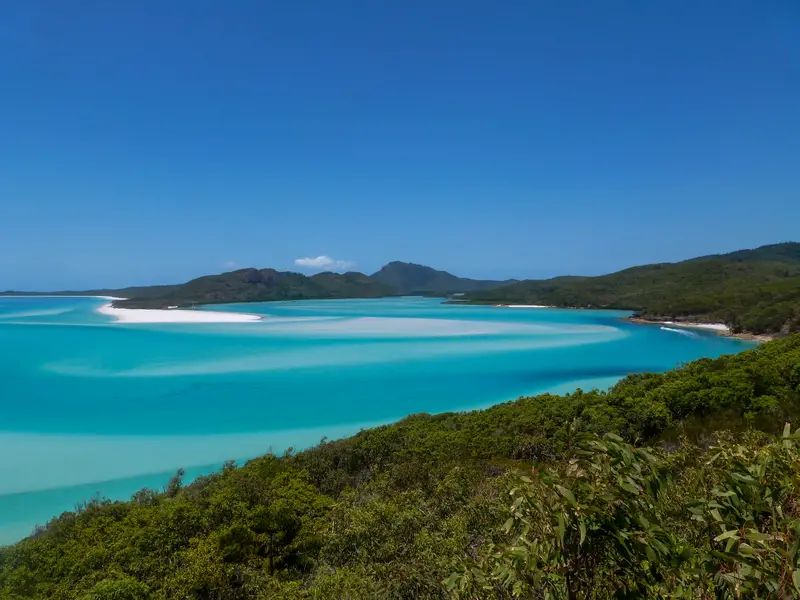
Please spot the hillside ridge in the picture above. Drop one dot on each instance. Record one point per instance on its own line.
(414, 279)
(263, 285)
(755, 291)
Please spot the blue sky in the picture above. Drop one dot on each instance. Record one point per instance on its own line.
(149, 141)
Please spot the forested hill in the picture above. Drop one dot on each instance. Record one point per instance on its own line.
(254, 285)
(548, 496)
(412, 279)
(262, 285)
(751, 290)
(755, 291)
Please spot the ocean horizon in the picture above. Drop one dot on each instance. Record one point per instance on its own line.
(92, 407)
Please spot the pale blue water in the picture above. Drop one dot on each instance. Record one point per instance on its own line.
(91, 406)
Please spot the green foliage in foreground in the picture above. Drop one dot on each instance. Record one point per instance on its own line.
(449, 506)
(612, 522)
(751, 290)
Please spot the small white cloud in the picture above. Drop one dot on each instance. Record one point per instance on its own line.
(324, 263)
(230, 264)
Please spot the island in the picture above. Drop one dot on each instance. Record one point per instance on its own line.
(267, 285)
(754, 293)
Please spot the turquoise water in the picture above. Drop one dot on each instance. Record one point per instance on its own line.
(90, 406)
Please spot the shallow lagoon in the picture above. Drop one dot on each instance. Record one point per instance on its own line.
(90, 406)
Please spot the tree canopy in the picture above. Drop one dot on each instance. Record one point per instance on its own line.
(418, 280)
(756, 291)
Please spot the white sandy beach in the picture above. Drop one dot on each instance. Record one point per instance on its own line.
(140, 315)
(523, 306)
(711, 326)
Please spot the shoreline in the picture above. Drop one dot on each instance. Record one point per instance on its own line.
(718, 328)
(522, 306)
(179, 315)
(59, 296)
(154, 315)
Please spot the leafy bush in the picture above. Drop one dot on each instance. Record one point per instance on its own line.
(599, 527)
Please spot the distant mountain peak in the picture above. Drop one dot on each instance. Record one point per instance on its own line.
(411, 278)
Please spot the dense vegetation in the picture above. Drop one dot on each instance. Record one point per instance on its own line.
(751, 290)
(254, 285)
(545, 497)
(417, 280)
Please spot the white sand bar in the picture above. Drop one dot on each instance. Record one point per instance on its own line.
(524, 306)
(141, 315)
(711, 326)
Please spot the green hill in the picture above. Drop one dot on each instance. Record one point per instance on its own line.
(755, 291)
(751, 290)
(262, 285)
(552, 494)
(254, 285)
(410, 279)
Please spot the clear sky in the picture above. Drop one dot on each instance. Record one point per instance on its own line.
(151, 141)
